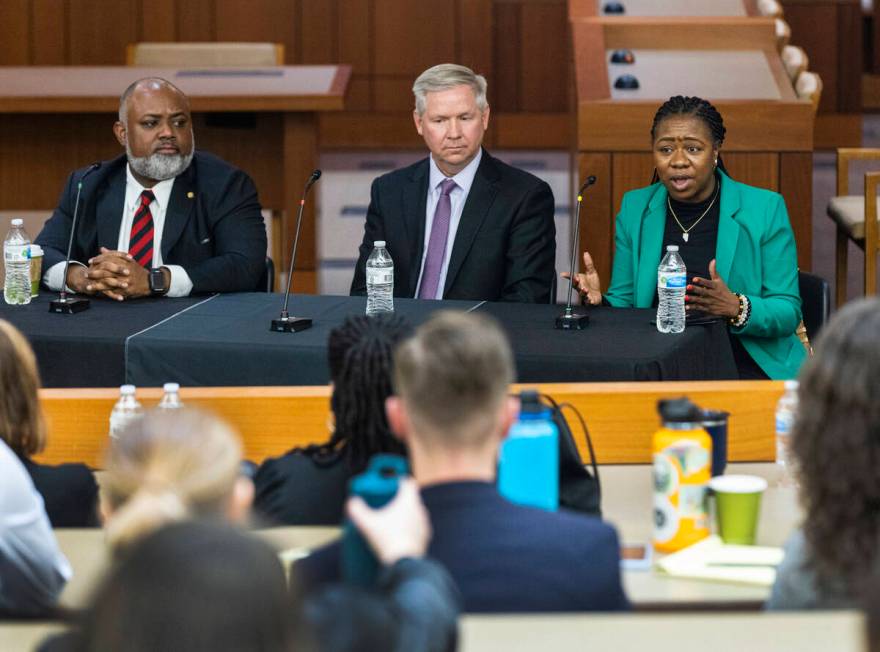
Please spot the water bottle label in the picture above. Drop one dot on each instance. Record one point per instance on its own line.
(671, 280)
(784, 421)
(17, 253)
(380, 276)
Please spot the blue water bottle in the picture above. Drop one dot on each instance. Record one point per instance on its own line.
(376, 486)
(528, 468)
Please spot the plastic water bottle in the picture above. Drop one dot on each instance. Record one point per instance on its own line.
(671, 283)
(17, 256)
(528, 465)
(126, 410)
(380, 280)
(786, 409)
(171, 397)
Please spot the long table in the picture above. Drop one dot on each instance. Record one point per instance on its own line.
(626, 503)
(224, 340)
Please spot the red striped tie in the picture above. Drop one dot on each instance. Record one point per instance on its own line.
(140, 244)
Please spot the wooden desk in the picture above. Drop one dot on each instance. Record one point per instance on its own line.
(841, 631)
(627, 503)
(622, 417)
(769, 131)
(57, 119)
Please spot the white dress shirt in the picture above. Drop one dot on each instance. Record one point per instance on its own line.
(463, 182)
(181, 285)
(32, 567)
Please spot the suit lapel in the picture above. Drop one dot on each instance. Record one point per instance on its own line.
(180, 206)
(476, 208)
(108, 210)
(728, 229)
(415, 199)
(648, 245)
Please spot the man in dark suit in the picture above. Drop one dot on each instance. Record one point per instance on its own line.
(460, 224)
(452, 411)
(162, 219)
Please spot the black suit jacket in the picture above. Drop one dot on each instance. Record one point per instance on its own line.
(505, 246)
(213, 226)
(69, 493)
(505, 557)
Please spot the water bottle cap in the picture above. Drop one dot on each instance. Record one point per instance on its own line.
(36, 250)
(127, 390)
(791, 384)
(171, 387)
(378, 243)
(678, 410)
(17, 221)
(671, 247)
(530, 402)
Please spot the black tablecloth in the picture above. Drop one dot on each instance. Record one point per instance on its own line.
(225, 340)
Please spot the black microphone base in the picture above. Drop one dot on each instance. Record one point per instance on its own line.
(572, 322)
(290, 325)
(69, 305)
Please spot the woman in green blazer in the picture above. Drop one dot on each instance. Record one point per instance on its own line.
(735, 239)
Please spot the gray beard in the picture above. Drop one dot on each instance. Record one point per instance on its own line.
(159, 167)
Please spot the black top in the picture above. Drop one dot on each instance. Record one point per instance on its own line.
(294, 489)
(702, 235)
(69, 492)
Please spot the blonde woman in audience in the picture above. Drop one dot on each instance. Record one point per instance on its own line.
(836, 449)
(69, 491)
(172, 466)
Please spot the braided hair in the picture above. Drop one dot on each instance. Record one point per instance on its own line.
(695, 107)
(359, 354)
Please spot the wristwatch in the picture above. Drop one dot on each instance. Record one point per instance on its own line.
(157, 281)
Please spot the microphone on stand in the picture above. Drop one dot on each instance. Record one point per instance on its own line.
(570, 320)
(286, 323)
(65, 305)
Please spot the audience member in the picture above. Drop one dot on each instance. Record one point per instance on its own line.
(452, 410)
(170, 466)
(69, 491)
(32, 569)
(836, 450)
(199, 586)
(309, 486)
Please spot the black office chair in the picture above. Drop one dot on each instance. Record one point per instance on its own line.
(815, 302)
(267, 280)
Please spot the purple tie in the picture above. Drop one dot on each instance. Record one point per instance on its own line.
(437, 243)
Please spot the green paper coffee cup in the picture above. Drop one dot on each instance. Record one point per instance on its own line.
(737, 506)
(36, 269)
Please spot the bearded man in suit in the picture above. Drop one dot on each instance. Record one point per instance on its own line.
(162, 218)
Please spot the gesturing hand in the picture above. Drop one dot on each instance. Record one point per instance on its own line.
(711, 296)
(587, 283)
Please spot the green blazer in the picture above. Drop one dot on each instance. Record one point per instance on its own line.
(755, 255)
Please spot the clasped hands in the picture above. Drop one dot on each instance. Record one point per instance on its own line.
(114, 274)
(710, 296)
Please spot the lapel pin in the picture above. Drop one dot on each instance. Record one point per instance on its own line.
(190, 195)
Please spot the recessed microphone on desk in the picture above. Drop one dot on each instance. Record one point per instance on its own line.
(626, 82)
(623, 56)
(614, 8)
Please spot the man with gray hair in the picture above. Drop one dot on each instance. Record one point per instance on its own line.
(161, 219)
(460, 224)
(452, 410)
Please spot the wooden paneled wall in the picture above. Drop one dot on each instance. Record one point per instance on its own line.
(521, 46)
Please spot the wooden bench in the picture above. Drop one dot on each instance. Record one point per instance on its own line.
(622, 417)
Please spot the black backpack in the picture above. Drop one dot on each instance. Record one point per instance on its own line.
(579, 490)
